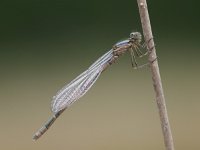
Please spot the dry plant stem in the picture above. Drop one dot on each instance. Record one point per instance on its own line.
(160, 99)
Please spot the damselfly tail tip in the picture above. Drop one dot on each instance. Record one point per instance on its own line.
(39, 133)
(35, 136)
(34, 139)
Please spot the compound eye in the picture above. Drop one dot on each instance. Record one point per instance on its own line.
(132, 35)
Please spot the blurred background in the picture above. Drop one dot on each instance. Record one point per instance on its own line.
(44, 44)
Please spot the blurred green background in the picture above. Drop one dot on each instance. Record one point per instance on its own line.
(44, 44)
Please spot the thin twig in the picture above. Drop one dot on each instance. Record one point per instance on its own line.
(160, 99)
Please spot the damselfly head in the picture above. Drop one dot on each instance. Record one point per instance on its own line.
(136, 36)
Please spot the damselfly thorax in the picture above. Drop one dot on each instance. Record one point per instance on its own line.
(133, 44)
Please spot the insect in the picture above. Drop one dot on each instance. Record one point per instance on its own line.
(81, 84)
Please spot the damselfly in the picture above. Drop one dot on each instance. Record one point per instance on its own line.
(81, 84)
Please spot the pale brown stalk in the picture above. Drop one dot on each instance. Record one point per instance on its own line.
(153, 63)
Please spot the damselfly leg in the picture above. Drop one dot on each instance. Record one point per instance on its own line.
(149, 50)
(136, 50)
(133, 59)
